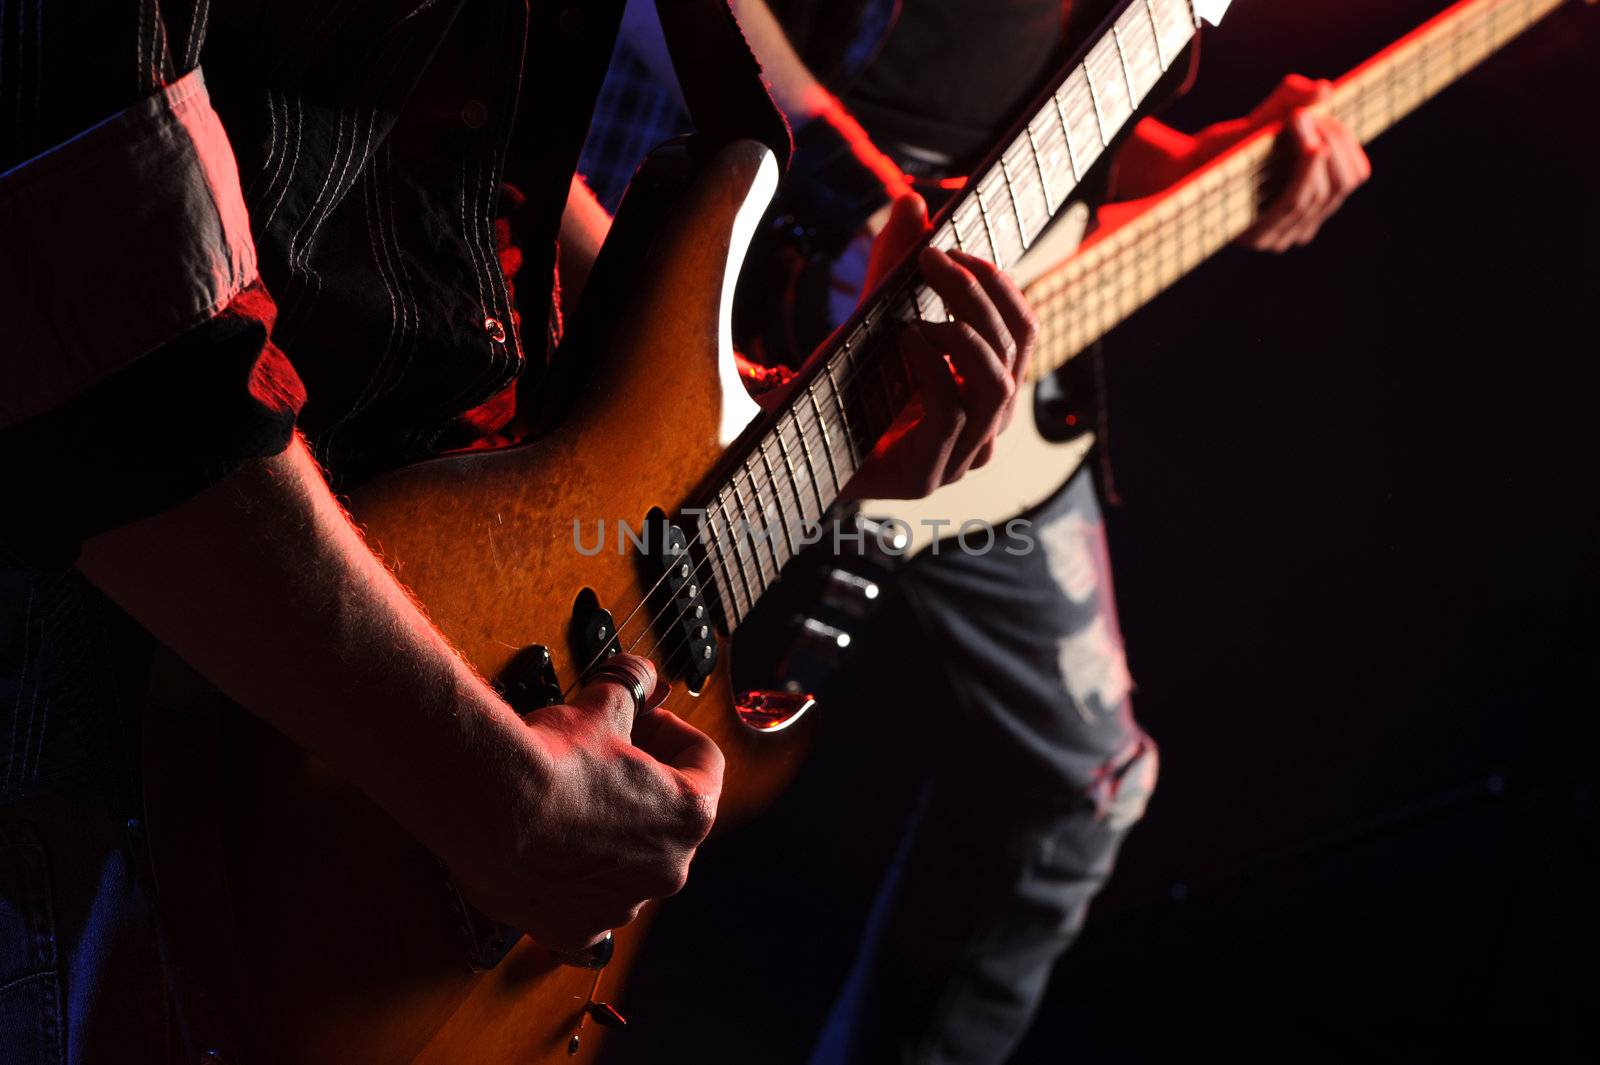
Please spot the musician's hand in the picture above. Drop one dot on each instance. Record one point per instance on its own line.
(595, 824)
(1329, 164)
(964, 372)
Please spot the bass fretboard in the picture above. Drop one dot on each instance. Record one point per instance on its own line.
(1121, 270)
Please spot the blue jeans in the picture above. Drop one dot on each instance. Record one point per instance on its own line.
(1038, 772)
(82, 971)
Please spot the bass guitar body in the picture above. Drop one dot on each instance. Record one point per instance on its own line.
(319, 930)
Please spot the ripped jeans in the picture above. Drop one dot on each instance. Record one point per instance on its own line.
(1039, 770)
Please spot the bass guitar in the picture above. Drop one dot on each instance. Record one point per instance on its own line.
(1145, 247)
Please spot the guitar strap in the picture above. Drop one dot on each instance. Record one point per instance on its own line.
(721, 80)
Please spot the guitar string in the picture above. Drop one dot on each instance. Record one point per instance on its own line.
(1214, 219)
(896, 298)
(1427, 55)
(1082, 297)
(755, 482)
(1102, 294)
(803, 437)
(905, 301)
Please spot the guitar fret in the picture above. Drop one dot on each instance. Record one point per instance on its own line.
(777, 499)
(1172, 33)
(1127, 76)
(722, 575)
(988, 230)
(1084, 141)
(827, 441)
(967, 217)
(766, 530)
(1155, 32)
(1141, 52)
(1106, 77)
(1008, 224)
(844, 418)
(1051, 137)
(744, 570)
(811, 464)
(1099, 115)
(1044, 182)
(788, 465)
(1066, 133)
(880, 370)
(1016, 211)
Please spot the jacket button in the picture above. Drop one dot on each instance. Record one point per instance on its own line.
(571, 21)
(496, 331)
(474, 115)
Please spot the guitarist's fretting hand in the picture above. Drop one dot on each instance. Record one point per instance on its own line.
(1329, 164)
(965, 371)
(1327, 161)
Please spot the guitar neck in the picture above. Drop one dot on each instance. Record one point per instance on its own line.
(785, 474)
(1115, 275)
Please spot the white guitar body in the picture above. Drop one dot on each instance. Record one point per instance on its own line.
(1084, 288)
(1026, 469)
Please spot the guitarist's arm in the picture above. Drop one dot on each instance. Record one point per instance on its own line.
(1328, 162)
(966, 370)
(584, 225)
(560, 826)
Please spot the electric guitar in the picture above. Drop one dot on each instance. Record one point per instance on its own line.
(316, 929)
(1147, 246)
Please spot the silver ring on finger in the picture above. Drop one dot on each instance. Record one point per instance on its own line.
(628, 676)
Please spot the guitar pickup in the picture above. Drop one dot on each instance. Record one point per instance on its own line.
(681, 607)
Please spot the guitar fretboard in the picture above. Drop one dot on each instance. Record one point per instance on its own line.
(1115, 275)
(790, 475)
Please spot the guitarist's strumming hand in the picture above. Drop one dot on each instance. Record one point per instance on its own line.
(607, 822)
(558, 825)
(965, 371)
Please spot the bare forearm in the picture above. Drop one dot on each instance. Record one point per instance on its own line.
(584, 225)
(803, 99)
(1155, 157)
(795, 89)
(264, 586)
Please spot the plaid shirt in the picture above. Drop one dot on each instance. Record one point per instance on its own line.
(633, 114)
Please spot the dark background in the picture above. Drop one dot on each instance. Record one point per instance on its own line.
(1357, 568)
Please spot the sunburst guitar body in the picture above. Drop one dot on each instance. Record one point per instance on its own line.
(321, 932)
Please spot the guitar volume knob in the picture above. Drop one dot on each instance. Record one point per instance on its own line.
(828, 638)
(850, 591)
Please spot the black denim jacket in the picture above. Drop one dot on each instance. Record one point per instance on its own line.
(372, 139)
(374, 142)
